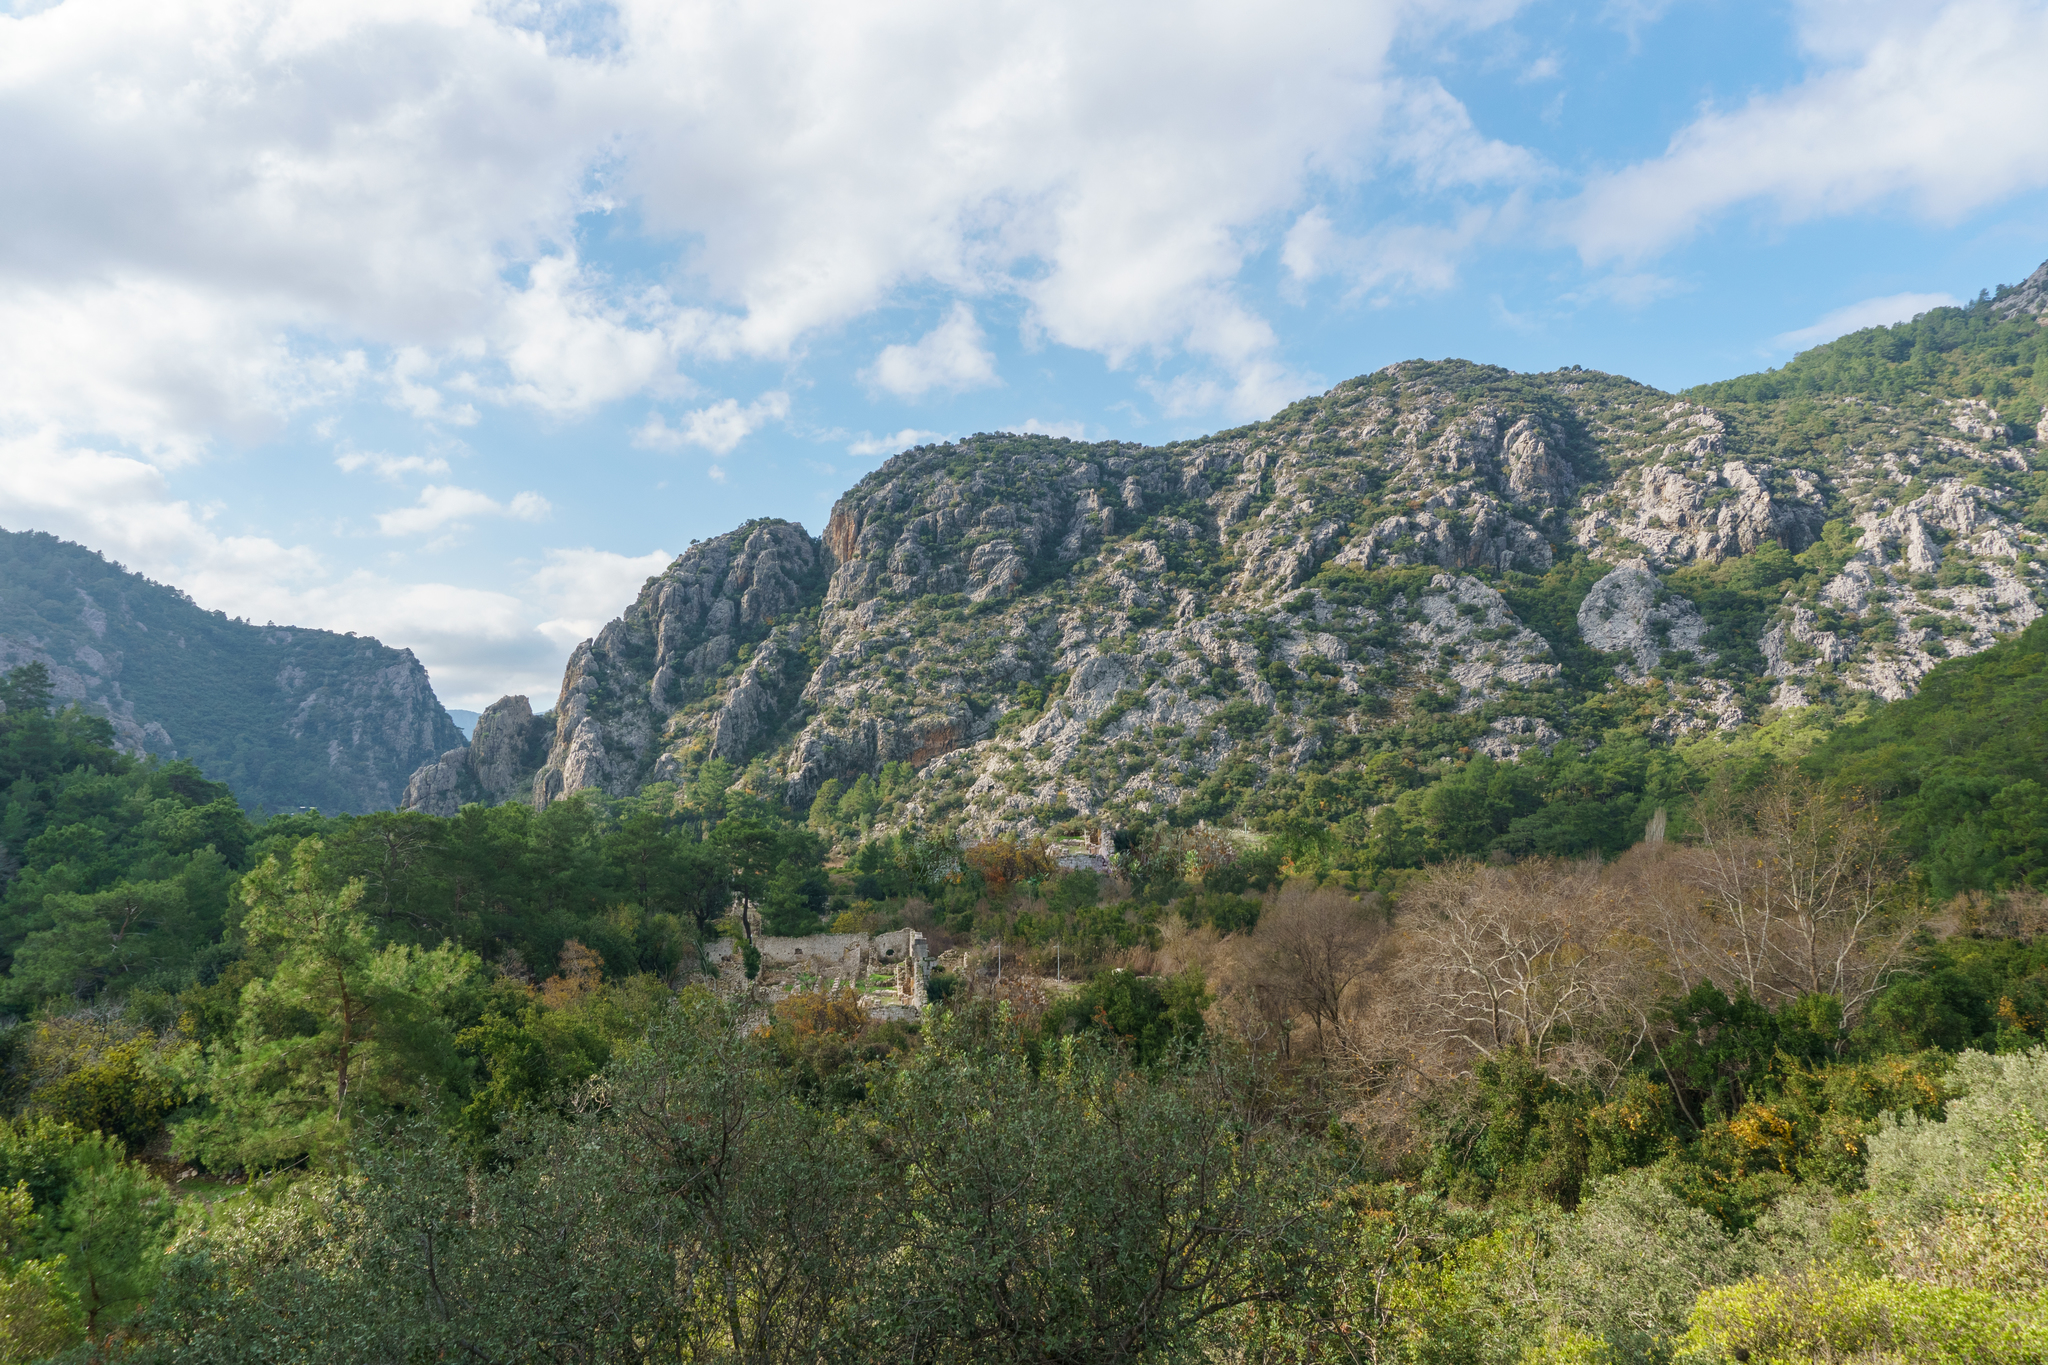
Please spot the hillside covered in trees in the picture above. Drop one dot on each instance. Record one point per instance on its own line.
(1419, 577)
(286, 717)
(1756, 1087)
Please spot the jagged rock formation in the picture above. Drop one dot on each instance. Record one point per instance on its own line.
(709, 658)
(1045, 628)
(1629, 613)
(497, 765)
(2030, 299)
(286, 717)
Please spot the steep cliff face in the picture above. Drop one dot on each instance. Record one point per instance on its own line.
(286, 717)
(1043, 627)
(707, 662)
(509, 745)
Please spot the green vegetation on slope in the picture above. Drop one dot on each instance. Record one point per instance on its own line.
(1961, 766)
(1966, 352)
(346, 1002)
(258, 708)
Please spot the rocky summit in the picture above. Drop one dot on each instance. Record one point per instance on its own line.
(1422, 564)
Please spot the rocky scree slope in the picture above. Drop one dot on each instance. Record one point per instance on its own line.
(286, 717)
(1432, 560)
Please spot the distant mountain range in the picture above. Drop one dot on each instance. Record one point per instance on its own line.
(287, 717)
(1433, 562)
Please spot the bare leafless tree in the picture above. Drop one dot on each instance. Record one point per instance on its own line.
(1314, 944)
(1526, 956)
(1800, 893)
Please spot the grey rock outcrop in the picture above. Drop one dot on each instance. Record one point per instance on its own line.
(2030, 299)
(442, 787)
(1630, 612)
(1044, 629)
(705, 663)
(1694, 506)
(498, 765)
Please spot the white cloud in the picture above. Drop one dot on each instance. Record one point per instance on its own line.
(410, 370)
(1629, 288)
(245, 211)
(392, 467)
(950, 357)
(585, 588)
(1393, 258)
(1941, 107)
(1073, 431)
(717, 428)
(1857, 316)
(571, 346)
(475, 642)
(893, 444)
(445, 505)
(122, 506)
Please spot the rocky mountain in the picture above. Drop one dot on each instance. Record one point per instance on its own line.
(508, 745)
(1430, 562)
(286, 717)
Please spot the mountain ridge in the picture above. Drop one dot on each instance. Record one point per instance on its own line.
(1437, 559)
(339, 720)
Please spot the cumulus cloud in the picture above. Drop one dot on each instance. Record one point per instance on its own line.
(717, 428)
(246, 211)
(1939, 107)
(893, 444)
(950, 357)
(1857, 316)
(123, 507)
(1390, 258)
(443, 505)
(391, 467)
(585, 588)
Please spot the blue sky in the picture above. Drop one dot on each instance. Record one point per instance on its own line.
(449, 322)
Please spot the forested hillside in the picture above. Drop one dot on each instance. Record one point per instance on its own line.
(286, 717)
(1527, 1109)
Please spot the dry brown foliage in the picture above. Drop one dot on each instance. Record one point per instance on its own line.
(1797, 893)
(1788, 892)
(582, 972)
(809, 1013)
(1542, 955)
(1002, 863)
(2010, 914)
(1025, 995)
(1314, 945)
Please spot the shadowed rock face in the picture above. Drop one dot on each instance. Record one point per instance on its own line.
(510, 744)
(2029, 300)
(287, 717)
(703, 659)
(1041, 626)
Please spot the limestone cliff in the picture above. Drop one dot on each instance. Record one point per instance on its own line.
(1045, 628)
(708, 662)
(497, 765)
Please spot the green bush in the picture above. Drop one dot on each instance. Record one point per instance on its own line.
(1827, 1315)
